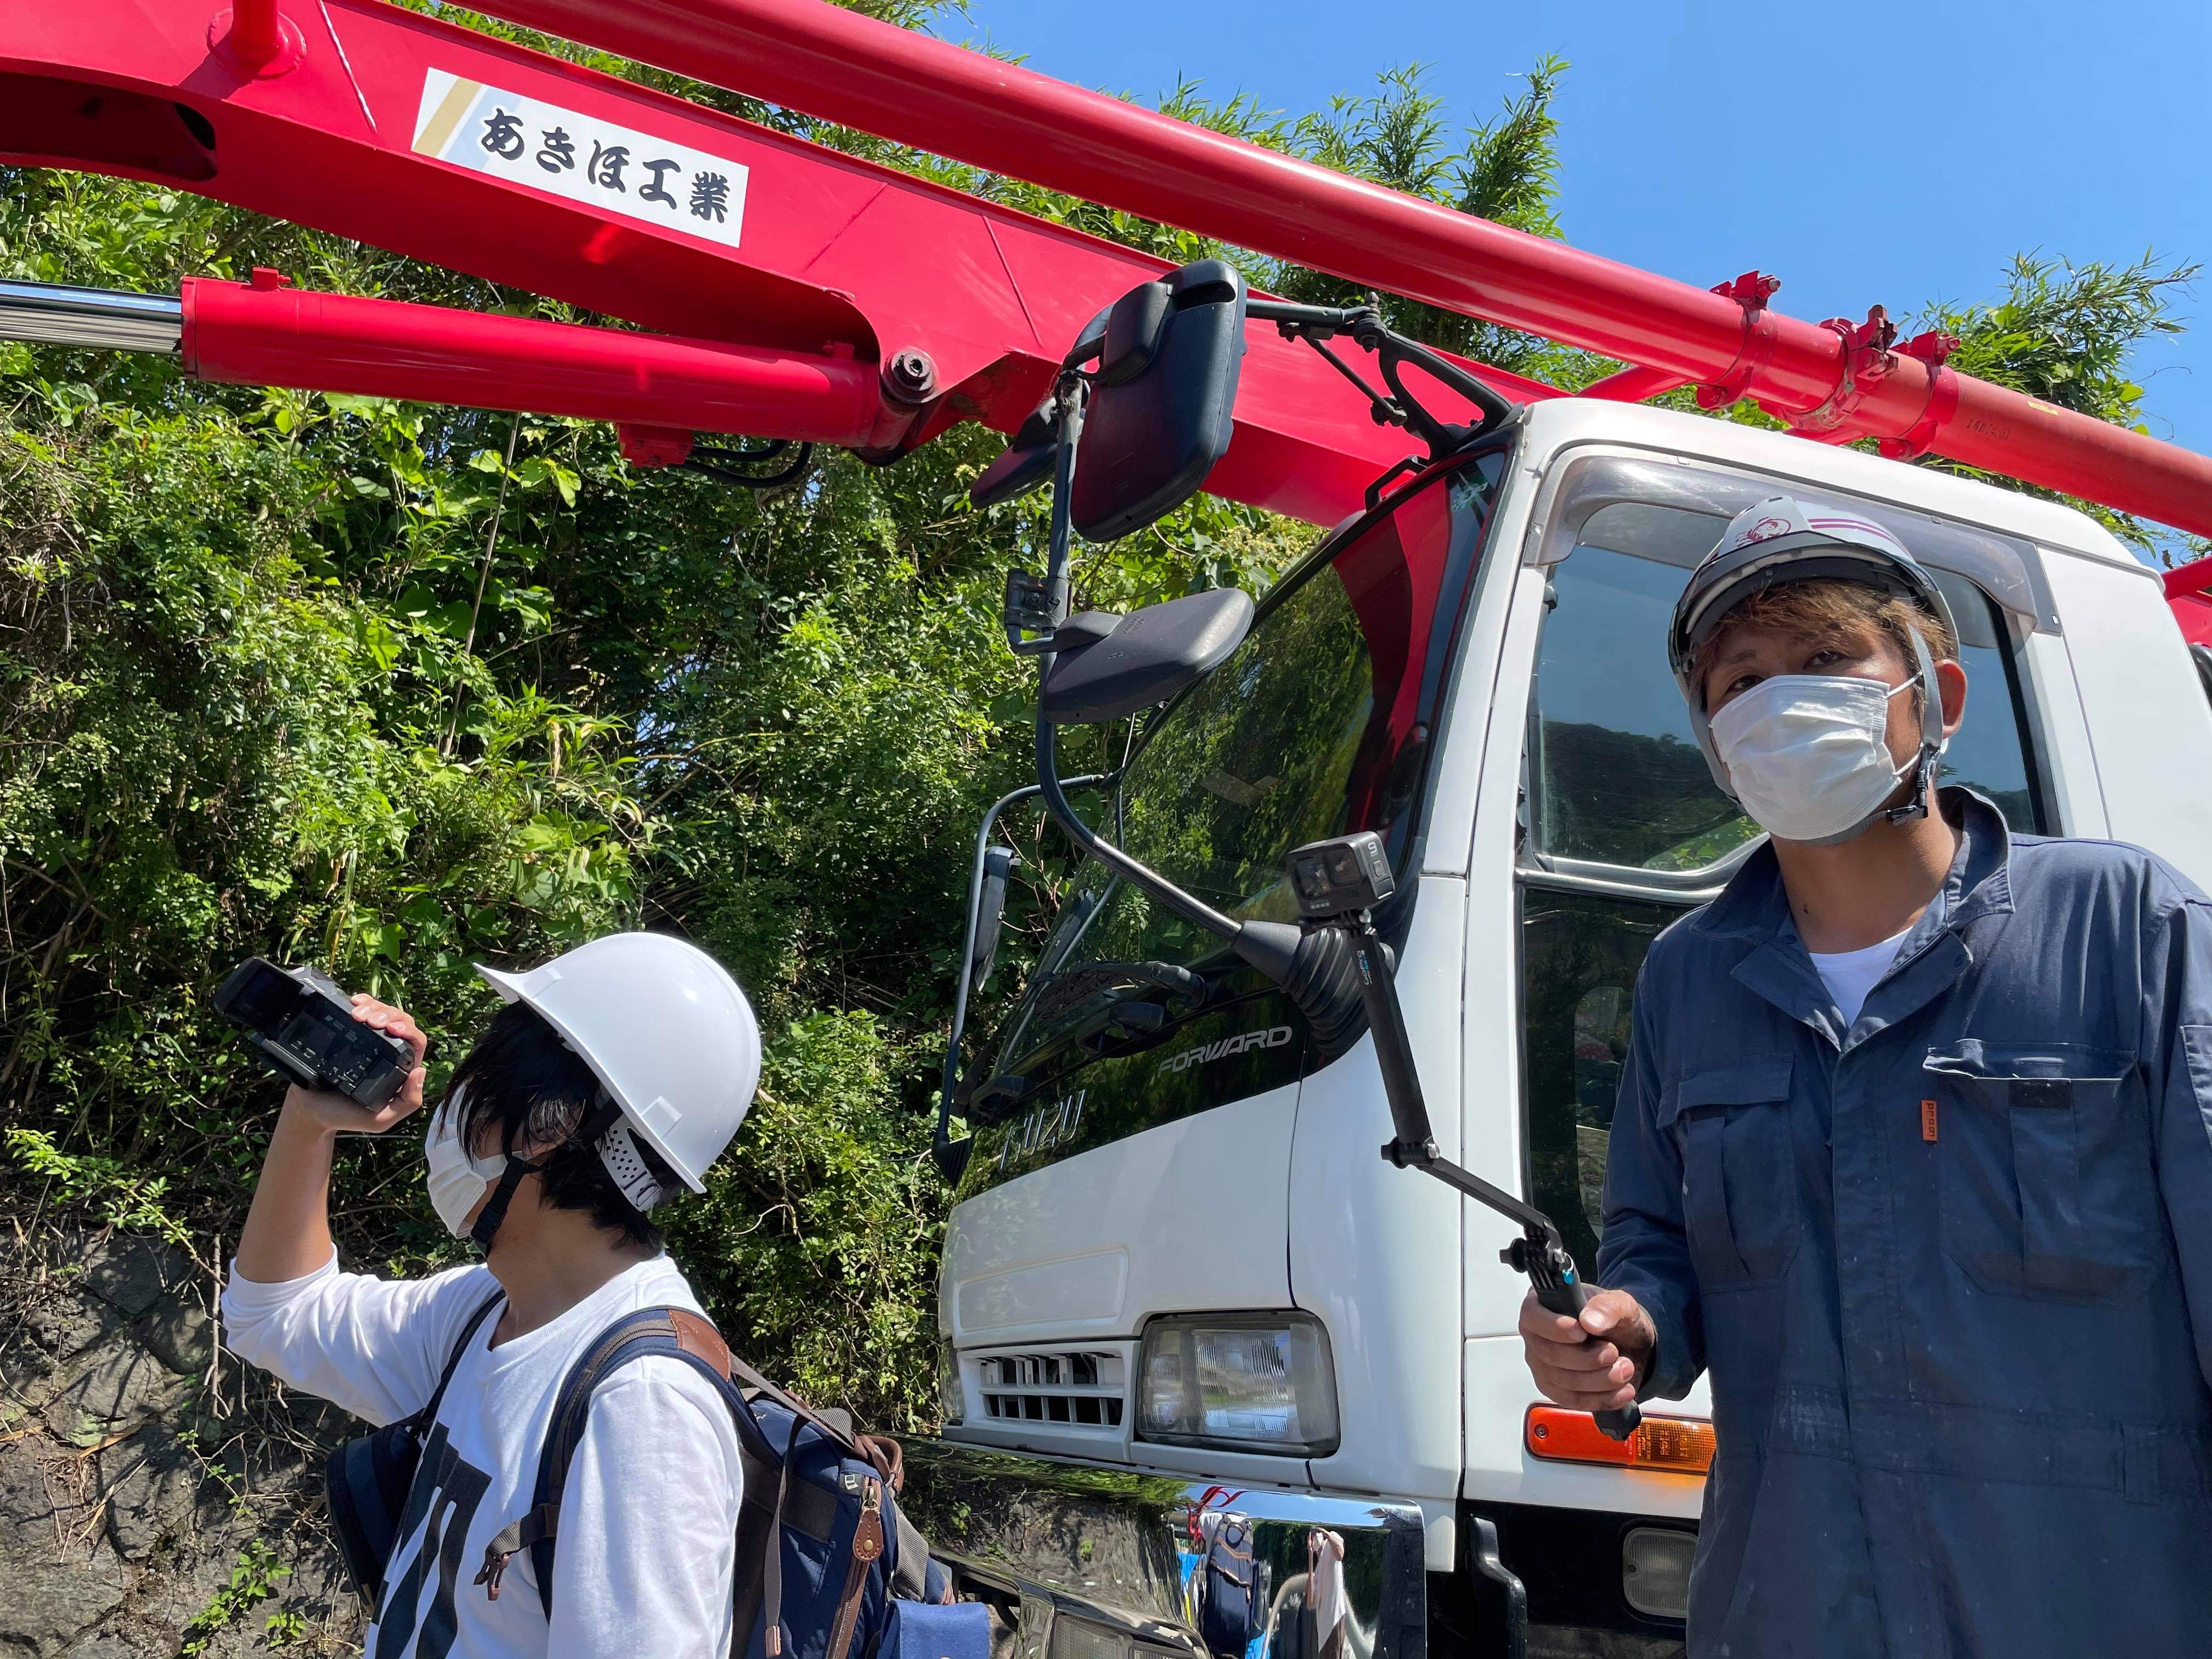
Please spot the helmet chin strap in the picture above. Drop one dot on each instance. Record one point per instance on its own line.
(1920, 802)
(603, 1117)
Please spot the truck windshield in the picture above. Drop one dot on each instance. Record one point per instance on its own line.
(1319, 725)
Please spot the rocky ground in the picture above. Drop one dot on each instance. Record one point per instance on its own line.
(155, 1499)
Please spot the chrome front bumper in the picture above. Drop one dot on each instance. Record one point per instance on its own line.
(1098, 1563)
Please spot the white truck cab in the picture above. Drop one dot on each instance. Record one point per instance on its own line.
(1178, 1267)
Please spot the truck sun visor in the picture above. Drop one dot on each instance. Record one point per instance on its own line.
(1674, 512)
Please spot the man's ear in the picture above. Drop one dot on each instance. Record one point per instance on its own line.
(1951, 687)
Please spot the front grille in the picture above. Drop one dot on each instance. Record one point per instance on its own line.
(1082, 1388)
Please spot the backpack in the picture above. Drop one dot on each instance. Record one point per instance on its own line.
(1233, 1605)
(366, 1479)
(827, 1567)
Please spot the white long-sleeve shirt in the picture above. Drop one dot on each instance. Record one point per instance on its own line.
(647, 1543)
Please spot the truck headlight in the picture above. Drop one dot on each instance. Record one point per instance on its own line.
(1259, 1382)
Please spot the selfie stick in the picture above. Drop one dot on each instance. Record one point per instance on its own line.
(1337, 882)
(1539, 1252)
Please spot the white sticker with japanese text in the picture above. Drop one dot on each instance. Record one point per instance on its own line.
(580, 157)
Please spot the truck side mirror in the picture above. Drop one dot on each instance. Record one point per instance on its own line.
(1159, 417)
(1120, 664)
(990, 914)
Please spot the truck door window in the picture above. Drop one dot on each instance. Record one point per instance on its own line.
(1580, 952)
(1991, 751)
(1627, 830)
(1616, 777)
(1615, 773)
(1319, 725)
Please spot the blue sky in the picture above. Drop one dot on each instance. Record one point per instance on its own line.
(1878, 152)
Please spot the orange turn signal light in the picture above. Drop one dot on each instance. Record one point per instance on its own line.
(1680, 1445)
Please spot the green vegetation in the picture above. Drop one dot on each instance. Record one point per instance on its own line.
(252, 1580)
(269, 681)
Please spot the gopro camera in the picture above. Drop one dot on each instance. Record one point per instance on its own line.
(1334, 878)
(304, 1027)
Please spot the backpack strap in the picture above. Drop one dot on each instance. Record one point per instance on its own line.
(535, 1530)
(772, 1559)
(676, 1334)
(423, 1419)
(911, 1581)
(702, 1342)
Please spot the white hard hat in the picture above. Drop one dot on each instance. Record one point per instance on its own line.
(1777, 540)
(663, 1026)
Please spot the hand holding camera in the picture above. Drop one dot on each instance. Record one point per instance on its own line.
(343, 1114)
(355, 1063)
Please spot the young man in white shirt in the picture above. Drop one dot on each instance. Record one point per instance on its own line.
(1913, 1157)
(615, 1070)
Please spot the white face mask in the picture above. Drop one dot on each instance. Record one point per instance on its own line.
(456, 1181)
(1809, 754)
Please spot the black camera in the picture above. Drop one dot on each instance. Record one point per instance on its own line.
(1334, 878)
(304, 1027)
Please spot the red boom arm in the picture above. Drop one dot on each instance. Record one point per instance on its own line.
(1832, 380)
(828, 267)
(448, 146)
(261, 334)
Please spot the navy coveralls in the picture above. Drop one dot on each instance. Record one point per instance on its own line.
(1951, 1269)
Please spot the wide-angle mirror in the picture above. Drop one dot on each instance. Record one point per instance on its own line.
(1127, 663)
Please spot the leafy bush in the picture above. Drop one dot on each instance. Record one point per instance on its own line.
(275, 685)
(820, 1233)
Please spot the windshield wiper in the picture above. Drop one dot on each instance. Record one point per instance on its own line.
(988, 1102)
(983, 1105)
(1055, 993)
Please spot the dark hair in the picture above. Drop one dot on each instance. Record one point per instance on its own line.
(1819, 605)
(522, 1086)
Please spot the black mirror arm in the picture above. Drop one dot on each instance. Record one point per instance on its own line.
(942, 1138)
(1188, 906)
(1415, 1145)
(1071, 394)
(1317, 325)
(1307, 322)
(1539, 1252)
(1393, 349)
(1267, 944)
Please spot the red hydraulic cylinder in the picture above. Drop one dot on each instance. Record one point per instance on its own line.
(846, 67)
(2188, 591)
(259, 333)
